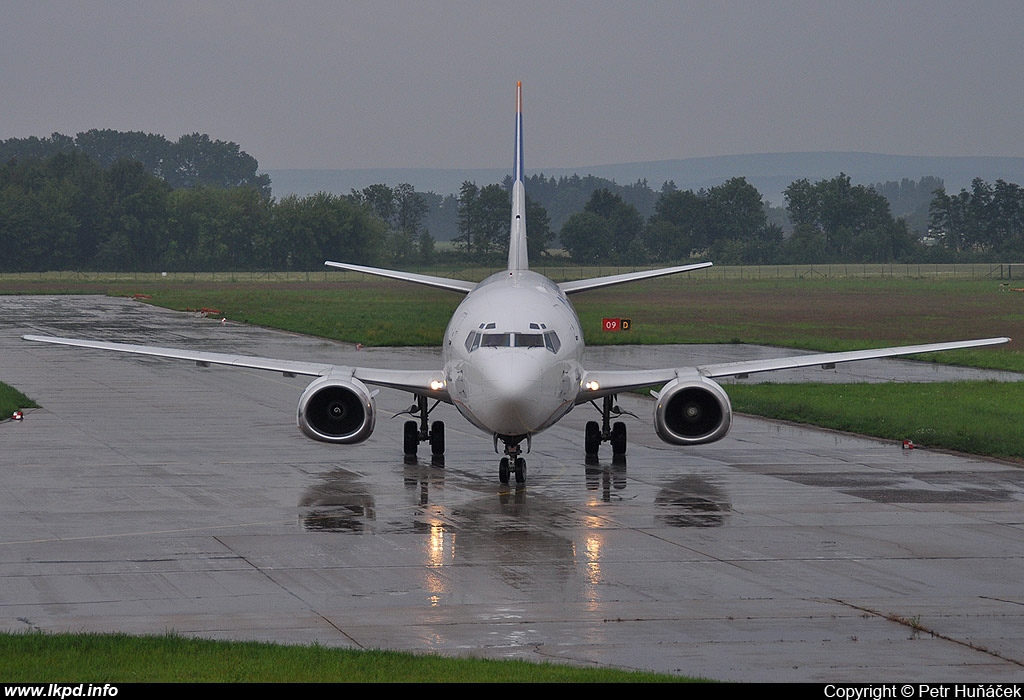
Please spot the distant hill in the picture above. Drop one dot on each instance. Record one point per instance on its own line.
(770, 173)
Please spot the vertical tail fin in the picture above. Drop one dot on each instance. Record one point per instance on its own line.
(517, 258)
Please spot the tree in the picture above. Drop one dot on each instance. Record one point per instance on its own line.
(738, 231)
(138, 216)
(538, 230)
(665, 241)
(442, 215)
(734, 211)
(304, 231)
(196, 159)
(728, 222)
(949, 222)
(34, 148)
(468, 226)
(197, 230)
(425, 243)
(296, 230)
(380, 199)
(403, 210)
(493, 210)
(805, 246)
(678, 226)
(855, 221)
(483, 220)
(1008, 217)
(624, 221)
(107, 146)
(193, 160)
(987, 219)
(587, 237)
(410, 211)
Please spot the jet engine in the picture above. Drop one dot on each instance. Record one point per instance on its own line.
(336, 409)
(692, 411)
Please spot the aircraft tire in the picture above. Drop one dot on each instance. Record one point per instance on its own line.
(520, 470)
(411, 438)
(503, 470)
(619, 439)
(437, 438)
(592, 438)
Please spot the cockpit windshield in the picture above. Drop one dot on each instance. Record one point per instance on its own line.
(547, 339)
(496, 340)
(529, 340)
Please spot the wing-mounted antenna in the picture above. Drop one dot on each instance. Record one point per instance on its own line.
(517, 258)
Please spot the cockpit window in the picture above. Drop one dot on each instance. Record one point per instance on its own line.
(496, 340)
(529, 340)
(548, 339)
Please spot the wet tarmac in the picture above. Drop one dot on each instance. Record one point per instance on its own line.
(150, 495)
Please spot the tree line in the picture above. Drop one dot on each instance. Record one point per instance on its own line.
(66, 212)
(828, 221)
(988, 218)
(139, 202)
(192, 160)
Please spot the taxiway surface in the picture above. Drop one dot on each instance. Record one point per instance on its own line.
(150, 495)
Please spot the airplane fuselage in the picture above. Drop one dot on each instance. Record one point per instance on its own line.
(513, 354)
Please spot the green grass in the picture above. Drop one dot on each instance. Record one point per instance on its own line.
(367, 313)
(813, 313)
(984, 418)
(817, 314)
(826, 315)
(11, 400)
(37, 657)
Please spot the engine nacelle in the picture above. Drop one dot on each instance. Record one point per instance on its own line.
(336, 409)
(692, 411)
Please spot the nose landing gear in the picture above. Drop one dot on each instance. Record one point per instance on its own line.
(512, 463)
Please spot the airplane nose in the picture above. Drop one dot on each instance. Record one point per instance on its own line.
(512, 402)
(512, 398)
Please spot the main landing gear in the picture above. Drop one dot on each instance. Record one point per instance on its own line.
(596, 433)
(421, 431)
(511, 463)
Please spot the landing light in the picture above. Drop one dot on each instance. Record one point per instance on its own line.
(436, 384)
(592, 385)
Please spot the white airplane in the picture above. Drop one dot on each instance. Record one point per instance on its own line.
(513, 364)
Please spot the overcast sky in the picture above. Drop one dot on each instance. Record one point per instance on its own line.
(352, 84)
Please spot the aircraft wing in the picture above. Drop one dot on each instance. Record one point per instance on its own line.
(597, 282)
(425, 382)
(597, 383)
(736, 369)
(452, 285)
(601, 383)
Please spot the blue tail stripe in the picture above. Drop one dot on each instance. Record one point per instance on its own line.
(517, 168)
(517, 249)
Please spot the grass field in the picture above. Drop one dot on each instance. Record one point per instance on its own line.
(115, 658)
(11, 400)
(826, 313)
(982, 418)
